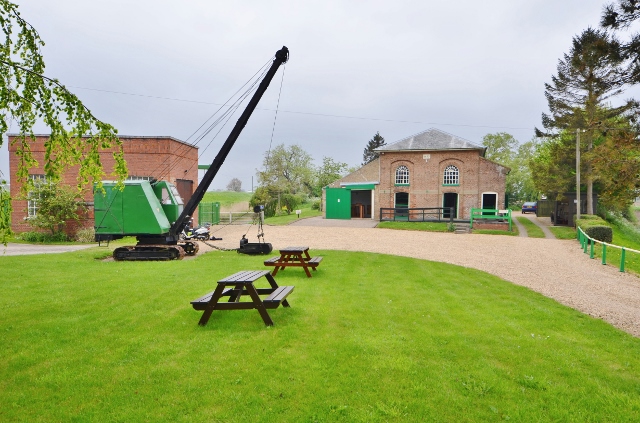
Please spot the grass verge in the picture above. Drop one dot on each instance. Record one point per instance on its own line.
(416, 226)
(285, 219)
(369, 338)
(226, 198)
(563, 232)
(533, 231)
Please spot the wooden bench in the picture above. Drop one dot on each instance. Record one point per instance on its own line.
(293, 257)
(242, 283)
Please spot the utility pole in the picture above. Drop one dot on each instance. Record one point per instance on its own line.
(577, 174)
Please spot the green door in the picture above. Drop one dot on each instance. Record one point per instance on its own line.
(338, 203)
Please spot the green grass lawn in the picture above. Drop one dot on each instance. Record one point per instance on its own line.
(285, 219)
(533, 231)
(563, 232)
(625, 239)
(369, 338)
(226, 198)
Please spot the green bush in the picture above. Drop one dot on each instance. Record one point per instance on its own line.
(86, 235)
(315, 205)
(595, 227)
(43, 238)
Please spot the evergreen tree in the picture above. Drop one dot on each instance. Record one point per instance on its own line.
(591, 73)
(376, 142)
(620, 16)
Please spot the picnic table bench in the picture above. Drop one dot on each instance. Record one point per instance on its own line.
(239, 284)
(294, 257)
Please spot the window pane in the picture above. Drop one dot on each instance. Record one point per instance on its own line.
(451, 175)
(402, 175)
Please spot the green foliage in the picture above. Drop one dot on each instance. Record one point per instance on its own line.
(503, 148)
(329, 172)
(81, 344)
(85, 235)
(563, 232)
(315, 205)
(287, 169)
(44, 237)
(263, 197)
(595, 227)
(5, 214)
(369, 154)
(28, 96)
(622, 16)
(56, 204)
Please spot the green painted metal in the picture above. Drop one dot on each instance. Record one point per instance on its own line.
(338, 203)
(604, 253)
(622, 259)
(592, 252)
(170, 199)
(206, 167)
(360, 186)
(209, 213)
(491, 214)
(133, 211)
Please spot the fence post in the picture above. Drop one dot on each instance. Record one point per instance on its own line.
(622, 260)
(592, 248)
(604, 253)
(586, 243)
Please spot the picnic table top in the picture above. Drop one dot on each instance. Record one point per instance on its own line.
(293, 250)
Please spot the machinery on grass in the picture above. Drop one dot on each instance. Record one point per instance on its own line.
(154, 212)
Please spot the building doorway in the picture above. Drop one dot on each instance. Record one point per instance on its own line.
(402, 202)
(489, 201)
(450, 204)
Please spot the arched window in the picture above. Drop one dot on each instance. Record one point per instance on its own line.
(402, 175)
(451, 175)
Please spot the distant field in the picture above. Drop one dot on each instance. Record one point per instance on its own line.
(226, 198)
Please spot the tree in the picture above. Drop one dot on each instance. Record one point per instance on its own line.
(55, 204)
(591, 73)
(620, 16)
(28, 96)
(234, 185)
(287, 169)
(503, 148)
(329, 172)
(376, 142)
(5, 213)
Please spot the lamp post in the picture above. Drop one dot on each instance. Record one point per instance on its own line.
(577, 174)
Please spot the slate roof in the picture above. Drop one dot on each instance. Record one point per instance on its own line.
(431, 139)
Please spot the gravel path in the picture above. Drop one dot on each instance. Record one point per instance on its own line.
(555, 268)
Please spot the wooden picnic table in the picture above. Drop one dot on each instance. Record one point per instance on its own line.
(239, 284)
(294, 257)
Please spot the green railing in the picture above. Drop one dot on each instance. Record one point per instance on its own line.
(490, 214)
(588, 246)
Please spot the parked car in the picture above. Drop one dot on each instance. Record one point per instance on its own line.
(530, 206)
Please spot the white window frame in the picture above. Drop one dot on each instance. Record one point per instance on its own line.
(451, 175)
(402, 175)
(32, 203)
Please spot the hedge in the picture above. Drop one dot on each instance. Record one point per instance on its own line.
(595, 227)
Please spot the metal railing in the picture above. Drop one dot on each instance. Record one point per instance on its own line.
(588, 246)
(491, 214)
(432, 214)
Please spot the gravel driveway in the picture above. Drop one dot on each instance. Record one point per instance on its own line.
(555, 268)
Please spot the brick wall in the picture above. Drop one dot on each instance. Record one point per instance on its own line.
(163, 158)
(426, 171)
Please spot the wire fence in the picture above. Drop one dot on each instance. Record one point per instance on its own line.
(608, 252)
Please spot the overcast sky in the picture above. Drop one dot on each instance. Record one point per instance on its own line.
(158, 67)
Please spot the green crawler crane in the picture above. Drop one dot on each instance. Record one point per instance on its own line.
(153, 211)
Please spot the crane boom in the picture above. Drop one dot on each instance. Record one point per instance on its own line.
(281, 57)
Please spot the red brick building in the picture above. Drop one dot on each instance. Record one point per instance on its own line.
(428, 170)
(161, 157)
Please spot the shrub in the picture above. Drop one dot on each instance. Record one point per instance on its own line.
(595, 227)
(86, 235)
(315, 205)
(43, 237)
